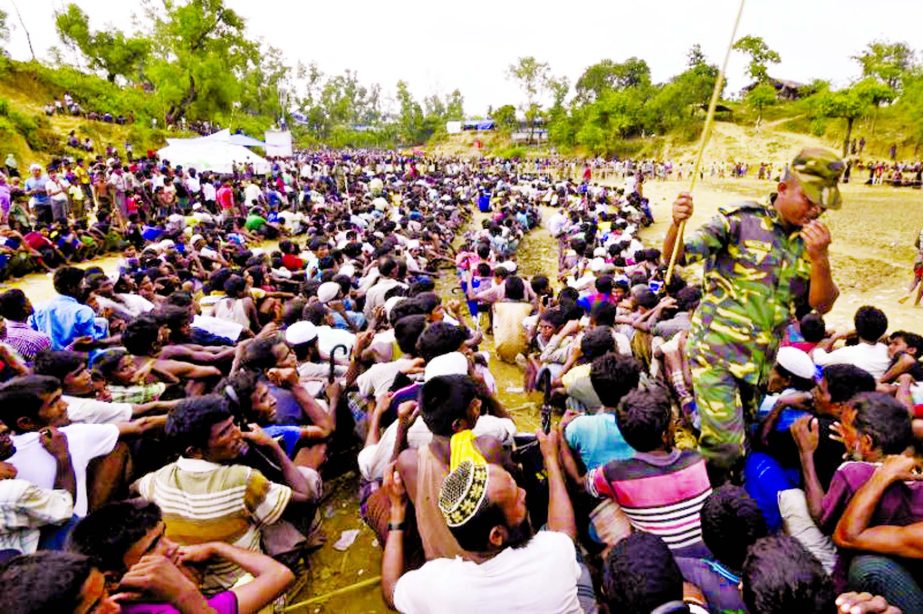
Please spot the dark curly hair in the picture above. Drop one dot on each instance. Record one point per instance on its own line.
(643, 417)
(46, 582)
(731, 523)
(613, 376)
(781, 577)
(106, 534)
(190, 422)
(640, 574)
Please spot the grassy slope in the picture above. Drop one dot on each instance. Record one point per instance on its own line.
(28, 88)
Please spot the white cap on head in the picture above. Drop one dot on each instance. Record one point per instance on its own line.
(347, 269)
(509, 265)
(597, 265)
(328, 291)
(195, 239)
(600, 252)
(300, 332)
(453, 363)
(796, 362)
(34, 166)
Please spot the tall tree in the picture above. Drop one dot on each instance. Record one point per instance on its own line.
(608, 75)
(532, 76)
(852, 103)
(201, 51)
(410, 119)
(455, 106)
(760, 55)
(888, 62)
(109, 51)
(4, 26)
(760, 97)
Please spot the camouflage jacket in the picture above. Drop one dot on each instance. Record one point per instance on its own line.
(755, 273)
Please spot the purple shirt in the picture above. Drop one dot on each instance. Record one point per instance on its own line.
(222, 603)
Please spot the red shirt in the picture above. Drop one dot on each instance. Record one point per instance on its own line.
(225, 197)
(292, 262)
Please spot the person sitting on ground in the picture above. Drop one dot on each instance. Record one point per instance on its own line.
(123, 381)
(65, 320)
(143, 338)
(575, 375)
(79, 393)
(33, 408)
(775, 465)
(640, 576)
(731, 523)
(203, 430)
(27, 510)
(48, 581)
(869, 353)
(904, 350)
(512, 568)
(876, 571)
(127, 541)
(780, 577)
(596, 438)
(661, 488)
(15, 308)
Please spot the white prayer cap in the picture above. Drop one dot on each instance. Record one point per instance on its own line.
(328, 291)
(796, 362)
(453, 363)
(300, 332)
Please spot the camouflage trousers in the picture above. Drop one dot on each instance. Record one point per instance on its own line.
(724, 403)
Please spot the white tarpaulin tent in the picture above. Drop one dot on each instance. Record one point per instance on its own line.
(278, 143)
(214, 155)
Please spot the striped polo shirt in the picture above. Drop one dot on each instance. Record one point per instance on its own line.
(661, 494)
(203, 502)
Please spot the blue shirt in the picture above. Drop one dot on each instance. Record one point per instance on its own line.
(41, 197)
(63, 319)
(288, 436)
(597, 439)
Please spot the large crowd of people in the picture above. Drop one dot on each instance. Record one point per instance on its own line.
(165, 426)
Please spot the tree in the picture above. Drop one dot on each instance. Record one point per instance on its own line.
(4, 26)
(455, 106)
(695, 56)
(608, 75)
(410, 120)
(760, 97)
(888, 62)
(532, 76)
(505, 117)
(200, 53)
(760, 55)
(851, 104)
(109, 51)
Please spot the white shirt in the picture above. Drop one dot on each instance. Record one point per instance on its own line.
(25, 509)
(871, 358)
(91, 411)
(538, 578)
(85, 442)
(380, 376)
(252, 193)
(208, 191)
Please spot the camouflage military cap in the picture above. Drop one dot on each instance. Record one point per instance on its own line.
(818, 170)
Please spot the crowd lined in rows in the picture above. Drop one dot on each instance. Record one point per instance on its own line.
(169, 426)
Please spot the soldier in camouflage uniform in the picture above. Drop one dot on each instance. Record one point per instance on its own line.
(761, 260)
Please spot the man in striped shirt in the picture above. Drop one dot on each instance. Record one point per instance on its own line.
(661, 489)
(206, 497)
